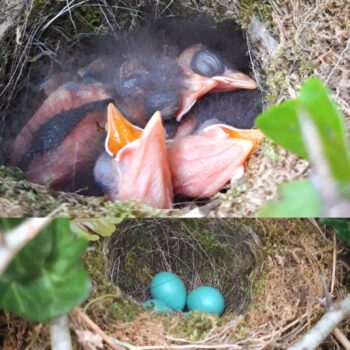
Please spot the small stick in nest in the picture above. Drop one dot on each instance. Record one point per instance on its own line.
(335, 314)
(93, 326)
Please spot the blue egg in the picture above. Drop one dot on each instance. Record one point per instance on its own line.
(206, 299)
(157, 305)
(169, 288)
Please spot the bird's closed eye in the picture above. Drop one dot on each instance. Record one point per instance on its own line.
(206, 62)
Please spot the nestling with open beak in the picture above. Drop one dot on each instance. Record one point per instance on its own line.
(175, 72)
(203, 163)
(138, 166)
(211, 144)
(135, 164)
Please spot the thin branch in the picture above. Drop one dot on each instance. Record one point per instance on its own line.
(67, 8)
(324, 327)
(317, 226)
(342, 338)
(334, 266)
(328, 299)
(12, 242)
(191, 346)
(340, 58)
(94, 327)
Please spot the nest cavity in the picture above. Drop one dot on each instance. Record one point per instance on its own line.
(213, 252)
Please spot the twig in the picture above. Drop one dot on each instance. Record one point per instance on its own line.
(334, 266)
(314, 222)
(60, 334)
(68, 8)
(328, 302)
(325, 326)
(342, 338)
(188, 346)
(101, 297)
(338, 61)
(93, 326)
(12, 242)
(12, 14)
(116, 344)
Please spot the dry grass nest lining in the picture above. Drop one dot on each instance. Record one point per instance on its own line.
(282, 297)
(300, 54)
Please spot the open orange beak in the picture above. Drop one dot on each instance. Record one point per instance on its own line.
(201, 165)
(233, 80)
(196, 85)
(223, 131)
(142, 160)
(120, 132)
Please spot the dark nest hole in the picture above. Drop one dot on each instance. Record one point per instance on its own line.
(58, 46)
(218, 253)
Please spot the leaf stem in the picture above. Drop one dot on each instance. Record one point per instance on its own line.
(13, 241)
(60, 333)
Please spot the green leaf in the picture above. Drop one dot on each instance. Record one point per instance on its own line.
(93, 229)
(281, 123)
(329, 122)
(8, 224)
(46, 279)
(298, 199)
(342, 227)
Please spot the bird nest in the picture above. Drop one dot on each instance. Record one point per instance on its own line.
(284, 51)
(268, 270)
(272, 285)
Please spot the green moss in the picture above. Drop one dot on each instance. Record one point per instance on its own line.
(205, 238)
(196, 325)
(36, 200)
(269, 150)
(114, 304)
(242, 331)
(96, 265)
(125, 310)
(90, 17)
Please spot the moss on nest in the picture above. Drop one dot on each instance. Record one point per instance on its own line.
(19, 197)
(106, 301)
